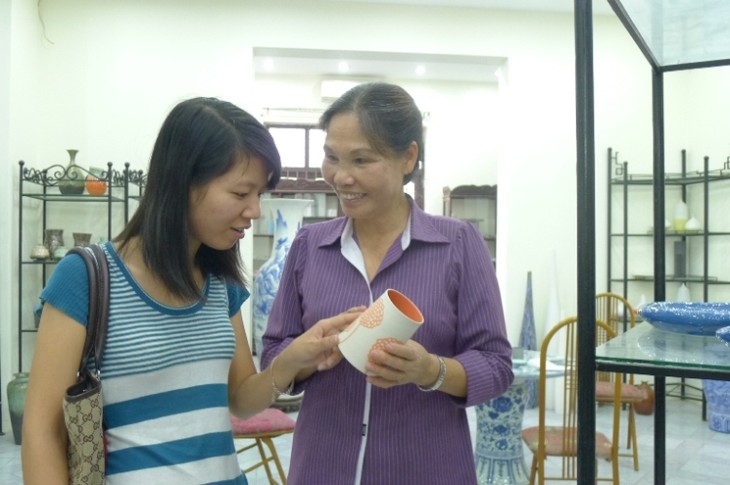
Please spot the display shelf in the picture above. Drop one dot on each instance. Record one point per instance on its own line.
(704, 182)
(41, 205)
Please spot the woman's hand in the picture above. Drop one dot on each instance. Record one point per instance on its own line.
(317, 347)
(398, 364)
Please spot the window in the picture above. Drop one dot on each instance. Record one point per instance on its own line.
(300, 147)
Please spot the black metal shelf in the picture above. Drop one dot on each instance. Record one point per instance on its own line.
(43, 185)
(682, 181)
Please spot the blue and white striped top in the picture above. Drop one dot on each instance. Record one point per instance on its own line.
(164, 374)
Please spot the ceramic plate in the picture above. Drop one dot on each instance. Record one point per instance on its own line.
(690, 318)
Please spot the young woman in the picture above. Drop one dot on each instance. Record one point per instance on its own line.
(176, 360)
(406, 422)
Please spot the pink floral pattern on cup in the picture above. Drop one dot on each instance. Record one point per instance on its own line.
(382, 342)
(374, 315)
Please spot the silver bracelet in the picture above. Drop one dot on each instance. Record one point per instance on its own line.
(440, 379)
(275, 391)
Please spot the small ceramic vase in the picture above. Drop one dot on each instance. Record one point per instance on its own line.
(82, 239)
(39, 252)
(646, 406)
(95, 183)
(681, 214)
(683, 293)
(72, 181)
(60, 252)
(53, 239)
(692, 224)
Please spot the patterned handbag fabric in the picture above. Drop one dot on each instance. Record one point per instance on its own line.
(82, 405)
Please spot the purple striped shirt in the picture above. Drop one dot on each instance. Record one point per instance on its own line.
(413, 437)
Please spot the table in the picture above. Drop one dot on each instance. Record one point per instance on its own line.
(498, 451)
(649, 351)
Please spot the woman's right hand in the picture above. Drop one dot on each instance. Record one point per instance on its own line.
(317, 347)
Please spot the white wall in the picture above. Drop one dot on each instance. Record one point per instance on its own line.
(108, 72)
(6, 217)
(19, 47)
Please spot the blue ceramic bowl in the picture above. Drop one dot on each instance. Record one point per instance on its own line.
(690, 318)
(724, 335)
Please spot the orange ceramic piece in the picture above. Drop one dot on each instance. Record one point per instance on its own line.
(94, 186)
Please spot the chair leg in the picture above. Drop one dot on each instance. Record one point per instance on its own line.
(533, 469)
(264, 459)
(277, 462)
(633, 442)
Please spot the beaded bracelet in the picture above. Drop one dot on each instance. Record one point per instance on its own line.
(275, 391)
(439, 379)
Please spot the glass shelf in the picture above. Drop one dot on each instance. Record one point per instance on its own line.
(680, 34)
(647, 345)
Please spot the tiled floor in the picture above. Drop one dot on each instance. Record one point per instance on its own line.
(695, 454)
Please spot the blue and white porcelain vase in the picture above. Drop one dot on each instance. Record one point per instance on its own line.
(287, 215)
(718, 404)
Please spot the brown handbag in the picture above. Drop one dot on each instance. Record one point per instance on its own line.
(82, 404)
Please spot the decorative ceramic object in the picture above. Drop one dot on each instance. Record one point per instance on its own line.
(498, 451)
(718, 404)
(60, 252)
(528, 339)
(96, 183)
(72, 181)
(690, 318)
(692, 225)
(646, 406)
(53, 239)
(683, 293)
(723, 335)
(287, 216)
(681, 214)
(39, 252)
(391, 318)
(16, 403)
(82, 239)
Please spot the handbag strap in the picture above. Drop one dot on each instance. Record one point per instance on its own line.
(96, 328)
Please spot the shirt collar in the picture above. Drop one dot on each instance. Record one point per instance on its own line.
(419, 227)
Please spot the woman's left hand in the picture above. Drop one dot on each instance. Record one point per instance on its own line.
(398, 364)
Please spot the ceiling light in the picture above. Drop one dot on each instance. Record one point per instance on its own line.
(269, 64)
(420, 69)
(343, 66)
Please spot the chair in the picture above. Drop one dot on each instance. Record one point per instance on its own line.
(262, 428)
(618, 313)
(561, 440)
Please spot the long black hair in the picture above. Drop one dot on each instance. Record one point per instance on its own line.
(201, 139)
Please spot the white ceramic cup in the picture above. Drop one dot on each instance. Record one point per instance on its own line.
(392, 317)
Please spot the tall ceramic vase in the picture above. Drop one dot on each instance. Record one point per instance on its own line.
(287, 215)
(72, 182)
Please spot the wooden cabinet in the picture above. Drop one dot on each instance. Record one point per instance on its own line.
(476, 204)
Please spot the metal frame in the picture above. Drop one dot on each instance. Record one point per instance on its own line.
(583, 13)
